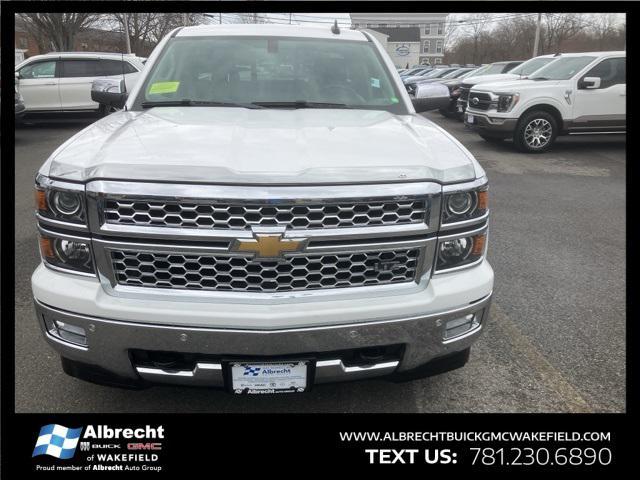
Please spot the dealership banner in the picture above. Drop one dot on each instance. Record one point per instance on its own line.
(167, 445)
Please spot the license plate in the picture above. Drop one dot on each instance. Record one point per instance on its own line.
(470, 119)
(460, 108)
(269, 377)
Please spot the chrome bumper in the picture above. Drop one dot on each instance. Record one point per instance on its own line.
(107, 344)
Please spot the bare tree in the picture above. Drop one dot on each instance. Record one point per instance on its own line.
(603, 26)
(475, 28)
(59, 30)
(558, 27)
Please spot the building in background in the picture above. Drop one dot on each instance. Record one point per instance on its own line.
(411, 38)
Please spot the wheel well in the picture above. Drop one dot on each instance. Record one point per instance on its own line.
(549, 109)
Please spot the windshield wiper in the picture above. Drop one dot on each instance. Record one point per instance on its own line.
(301, 104)
(185, 102)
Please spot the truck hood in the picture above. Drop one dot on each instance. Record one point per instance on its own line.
(262, 146)
(496, 77)
(516, 85)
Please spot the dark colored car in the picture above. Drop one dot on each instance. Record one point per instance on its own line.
(19, 108)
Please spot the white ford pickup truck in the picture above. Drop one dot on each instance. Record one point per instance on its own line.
(576, 94)
(267, 212)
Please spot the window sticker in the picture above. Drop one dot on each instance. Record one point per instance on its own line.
(164, 87)
(394, 100)
(375, 82)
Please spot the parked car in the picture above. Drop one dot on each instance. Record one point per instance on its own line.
(61, 82)
(576, 94)
(414, 71)
(434, 73)
(19, 103)
(438, 79)
(496, 68)
(453, 85)
(173, 252)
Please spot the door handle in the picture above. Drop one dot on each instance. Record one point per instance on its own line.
(52, 83)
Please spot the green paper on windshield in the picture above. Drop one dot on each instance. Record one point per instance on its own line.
(164, 87)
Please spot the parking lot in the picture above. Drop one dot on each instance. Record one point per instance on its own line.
(556, 337)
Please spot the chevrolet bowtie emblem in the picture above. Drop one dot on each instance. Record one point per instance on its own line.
(269, 245)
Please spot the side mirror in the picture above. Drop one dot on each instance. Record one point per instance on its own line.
(109, 92)
(17, 75)
(430, 96)
(590, 82)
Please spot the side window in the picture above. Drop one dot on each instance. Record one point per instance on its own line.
(612, 71)
(115, 67)
(80, 68)
(39, 70)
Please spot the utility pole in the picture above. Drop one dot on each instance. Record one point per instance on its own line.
(537, 40)
(126, 32)
(220, 18)
(185, 20)
(289, 19)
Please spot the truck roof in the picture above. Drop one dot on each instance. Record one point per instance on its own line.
(271, 30)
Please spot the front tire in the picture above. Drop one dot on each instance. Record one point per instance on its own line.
(536, 132)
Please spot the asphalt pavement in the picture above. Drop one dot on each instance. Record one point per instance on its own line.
(556, 337)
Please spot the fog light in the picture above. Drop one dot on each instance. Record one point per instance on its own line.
(69, 333)
(460, 326)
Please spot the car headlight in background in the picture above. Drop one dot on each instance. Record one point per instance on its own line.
(66, 252)
(459, 251)
(60, 201)
(506, 101)
(465, 205)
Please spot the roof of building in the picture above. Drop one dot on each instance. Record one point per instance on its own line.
(399, 34)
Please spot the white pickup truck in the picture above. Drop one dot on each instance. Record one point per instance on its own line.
(267, 212)
(578, 93)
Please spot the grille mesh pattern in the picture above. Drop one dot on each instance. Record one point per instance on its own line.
(243, 216)
(225, 273)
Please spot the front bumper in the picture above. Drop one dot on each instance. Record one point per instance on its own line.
(114, 327)
(498, 127)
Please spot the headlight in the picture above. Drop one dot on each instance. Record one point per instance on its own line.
(506, 101)
(465, 205)
(460, 251)
(60, 201)
(69, 253)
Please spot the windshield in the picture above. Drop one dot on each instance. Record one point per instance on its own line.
(530, 66)
(471, 73)
(456, 73)
(562, 68)
(279, 71)
(494, 68)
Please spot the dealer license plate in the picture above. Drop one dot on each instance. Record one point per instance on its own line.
(470, 119)
(269, 377)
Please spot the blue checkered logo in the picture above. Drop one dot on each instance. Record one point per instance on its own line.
(251, 371)
(57, 441)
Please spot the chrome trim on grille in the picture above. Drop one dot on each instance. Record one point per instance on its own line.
(103, 248)
(197, 241)
(99, 192)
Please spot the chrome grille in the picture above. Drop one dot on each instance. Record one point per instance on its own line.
(483, 101)
(241, 216)
(244, 274)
